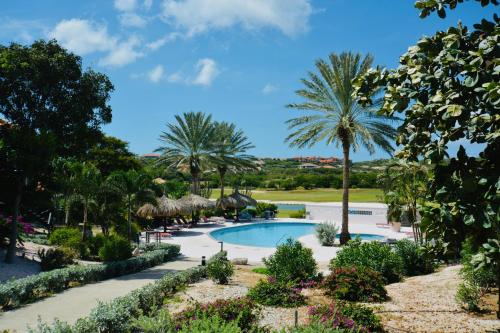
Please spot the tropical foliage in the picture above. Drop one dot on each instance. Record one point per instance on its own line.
(336, 117)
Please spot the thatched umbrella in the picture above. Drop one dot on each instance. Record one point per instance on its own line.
(195, 202)
(248, 201)
(164, 207)
(236, 201)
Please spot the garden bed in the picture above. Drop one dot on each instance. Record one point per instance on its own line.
(418, 304)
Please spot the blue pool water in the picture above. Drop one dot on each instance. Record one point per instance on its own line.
(271, 234)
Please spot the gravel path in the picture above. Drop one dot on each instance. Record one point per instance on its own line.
(427, 304)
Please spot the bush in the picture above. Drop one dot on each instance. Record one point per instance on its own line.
(315, 327)
(122, 229)
(299, 214)
(115, 248)
(208, 324)
(377, 256)
(261, 207)
(261, 270)
(242, 311)
(345, 315)
(70, 237)
(21, 291)
(292, 262)
(326, 233)
(476, 280)
(40, 239)
(96, 243)
(415, 261)
(56, 258)
(355, 284)
(250, 211)
(219, 269)
(276, 293)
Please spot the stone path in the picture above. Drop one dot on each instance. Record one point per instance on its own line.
(76, 303)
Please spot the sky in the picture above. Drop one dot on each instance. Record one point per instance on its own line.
(239, 60)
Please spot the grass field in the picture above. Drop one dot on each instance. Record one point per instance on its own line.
(315, 195)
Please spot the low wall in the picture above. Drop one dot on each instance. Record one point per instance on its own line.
(358, 212)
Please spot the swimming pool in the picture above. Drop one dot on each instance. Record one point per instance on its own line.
(271, 234)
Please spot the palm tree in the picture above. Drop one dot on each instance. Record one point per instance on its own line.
(135, 186)
(404, 184)
(230, 147)
(337, 117)
(188, 145)
(86, 179)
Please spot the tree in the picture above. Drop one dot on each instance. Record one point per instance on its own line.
(448, 86)
(405, 186)
(337, 117)
(188, 145)
(56, 95)
(49, 104)
(24, 155)
(87, 180)
(112, 154)
(135, 187)
(426, 7)
(230, 147)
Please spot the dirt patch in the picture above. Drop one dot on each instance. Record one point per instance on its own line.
(427, 304)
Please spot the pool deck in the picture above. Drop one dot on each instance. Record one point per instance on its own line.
(197, 242)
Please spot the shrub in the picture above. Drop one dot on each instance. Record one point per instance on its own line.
(56, 258)
(377, 256)
(261, 207)
(115, 248)
(243, 311)
(326, 233)
(261, 270)
(292, 262)
(40, 239)
(21, 291)
(415, 261)
(208, 324)
(315, 327)
(344, 315)
(276, 293)
(70, 237)
(299, 214)
(96, 243)
(476, 280)
(219, 269)
(121, 229)
(355, 284)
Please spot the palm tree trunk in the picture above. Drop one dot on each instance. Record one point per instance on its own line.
(11, 250)
(195, 188)
(129, 219)
(221, 175)
(66, 211)
(85, 213)
(344, 234)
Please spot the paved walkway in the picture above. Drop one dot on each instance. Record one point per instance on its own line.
(77, 302)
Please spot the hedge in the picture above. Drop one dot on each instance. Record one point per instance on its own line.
(21, 291)
(117, 315)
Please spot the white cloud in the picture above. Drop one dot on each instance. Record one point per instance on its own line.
(122, 54)
(197, 16)
(268, 89)
(156, 74)
(82, 36)
(174, 78)
(155, 45)
(125, 5)
(207, 72)
(132, 20)
(23, 31)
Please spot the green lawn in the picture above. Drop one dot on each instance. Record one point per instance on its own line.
(316, 195)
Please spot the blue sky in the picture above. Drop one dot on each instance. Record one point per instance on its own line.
(240, 60)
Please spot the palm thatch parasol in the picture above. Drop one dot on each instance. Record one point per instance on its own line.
(195, 202)
(230, 202)
(164, 207)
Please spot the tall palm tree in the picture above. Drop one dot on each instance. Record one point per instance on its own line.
(336, 117)
(188, 145)
(230, 147)
(135, 186)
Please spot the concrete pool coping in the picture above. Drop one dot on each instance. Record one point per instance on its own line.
(197, 242)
